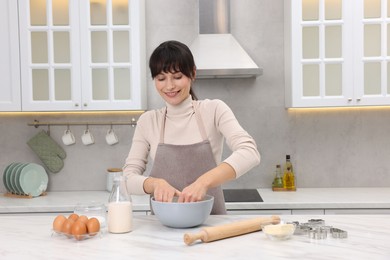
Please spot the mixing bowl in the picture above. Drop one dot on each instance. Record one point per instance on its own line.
(182, 215)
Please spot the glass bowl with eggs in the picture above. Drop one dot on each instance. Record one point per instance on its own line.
(87, 221)
(93, 209)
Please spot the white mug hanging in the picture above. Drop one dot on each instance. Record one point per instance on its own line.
(87, 137)
(111, 137)
(68, 137)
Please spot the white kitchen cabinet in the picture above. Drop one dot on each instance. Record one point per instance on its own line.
(82, 55)
(337, 53)
(141, 212)
(307, 211)
(9, 57)
(310, 212)
(260, 212)
(357, 211)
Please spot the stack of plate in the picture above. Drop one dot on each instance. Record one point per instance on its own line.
(25, 179)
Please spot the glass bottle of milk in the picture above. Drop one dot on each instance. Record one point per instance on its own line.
(120, 212)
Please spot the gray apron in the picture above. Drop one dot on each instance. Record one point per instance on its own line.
(181, 165)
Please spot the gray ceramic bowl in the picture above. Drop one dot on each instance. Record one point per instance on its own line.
(182, 215)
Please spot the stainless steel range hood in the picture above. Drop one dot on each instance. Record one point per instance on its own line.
(217, 53)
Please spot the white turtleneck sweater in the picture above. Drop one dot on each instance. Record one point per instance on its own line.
(181, 128)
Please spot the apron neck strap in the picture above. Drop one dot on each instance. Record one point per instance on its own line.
(198, 120)
(163, 126)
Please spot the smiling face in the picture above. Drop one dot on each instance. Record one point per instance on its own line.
(173, 87)
(173, 69)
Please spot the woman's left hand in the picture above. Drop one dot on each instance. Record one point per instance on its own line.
(192, 193)
(197, 190)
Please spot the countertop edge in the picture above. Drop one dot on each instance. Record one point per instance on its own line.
(304, 199)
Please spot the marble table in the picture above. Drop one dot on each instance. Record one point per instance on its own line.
(30, 237)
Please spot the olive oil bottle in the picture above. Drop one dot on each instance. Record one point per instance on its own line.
(278, 180)
(288, 175)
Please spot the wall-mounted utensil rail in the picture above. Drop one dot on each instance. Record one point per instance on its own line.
(36, 123)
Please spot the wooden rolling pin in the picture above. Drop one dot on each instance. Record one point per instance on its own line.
(209, 234)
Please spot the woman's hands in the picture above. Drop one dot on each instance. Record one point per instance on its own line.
(213, 178)
(196, 191)
(161, 189)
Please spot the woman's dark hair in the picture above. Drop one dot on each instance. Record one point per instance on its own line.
(173, 56)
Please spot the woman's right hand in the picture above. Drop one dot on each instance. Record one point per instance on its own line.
(161, 189)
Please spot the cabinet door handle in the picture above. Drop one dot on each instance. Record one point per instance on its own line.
(85, 104)
(349, 99)
(76, 105)
(359, 99)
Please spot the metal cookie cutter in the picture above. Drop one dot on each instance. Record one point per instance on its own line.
(318, 233)
(302, 229)
(338, 233)
(299, 228)
(316, 222)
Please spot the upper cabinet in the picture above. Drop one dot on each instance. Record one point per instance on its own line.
(337, 53)
(82, 54)
(9, 57)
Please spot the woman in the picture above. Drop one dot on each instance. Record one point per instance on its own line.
(185, 138)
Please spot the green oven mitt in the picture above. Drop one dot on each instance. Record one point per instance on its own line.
(50, 153)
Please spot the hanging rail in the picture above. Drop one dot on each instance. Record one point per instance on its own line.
(36, 123)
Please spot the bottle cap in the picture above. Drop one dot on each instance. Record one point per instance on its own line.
(288, 157)
(114, 170)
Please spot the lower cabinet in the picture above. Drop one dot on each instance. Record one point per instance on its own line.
(260, 212)
(33, 214)
(357, 211)
(309, 212)
(141, 212)
(66, 213)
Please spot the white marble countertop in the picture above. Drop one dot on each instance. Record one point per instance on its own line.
(304, 198)
(30, 237)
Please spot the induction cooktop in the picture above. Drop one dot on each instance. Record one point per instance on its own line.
(242, 195)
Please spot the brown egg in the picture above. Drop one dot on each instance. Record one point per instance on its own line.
(58, 222)
(79, 230)
(73, 216)
(83, 218)
(93, 226)
(67, 227)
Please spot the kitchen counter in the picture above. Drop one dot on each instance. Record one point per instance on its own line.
(322, 198)
(30, 237)
(63, 202)
(304, 198)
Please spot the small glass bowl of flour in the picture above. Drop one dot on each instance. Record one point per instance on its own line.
(279, 231)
